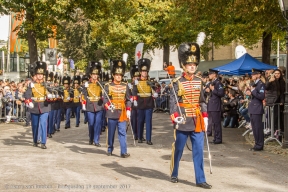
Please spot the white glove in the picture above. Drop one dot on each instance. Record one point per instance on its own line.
(111, 107)
(31, 85)
(49, 96)
(135, 103)
(136, 82)
(179, 120)
(68, 98)
(131, 99)
(130, 85)
(86, 84)
(155, 95)
(83, 107)
(128, 112)
(205, 122)
(30, 105)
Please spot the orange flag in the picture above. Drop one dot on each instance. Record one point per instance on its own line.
(15, 42)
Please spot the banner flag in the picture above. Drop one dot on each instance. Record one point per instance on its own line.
(138, 52)
(15, 42)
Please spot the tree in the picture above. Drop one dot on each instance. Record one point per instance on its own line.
(39, 17)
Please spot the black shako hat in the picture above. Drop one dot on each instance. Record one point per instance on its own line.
(118, 67)
(94, 67)
(76, 79)
(134, 71)
(66, 80)
(144, 65)
(189, 53)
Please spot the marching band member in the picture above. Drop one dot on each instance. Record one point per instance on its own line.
(134, 73)
(118, 106)
(51, 102)
(185, 100)
(68, 95)
(143, 98)
(92, 103)
(76, 100)
(35, 99)
(85, 79)
(57, 105)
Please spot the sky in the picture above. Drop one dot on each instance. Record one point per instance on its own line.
(4, 23)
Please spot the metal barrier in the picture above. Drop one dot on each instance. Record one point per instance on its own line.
(17, 112)
(269, 123)
(162, 103)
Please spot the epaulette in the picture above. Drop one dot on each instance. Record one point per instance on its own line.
(176, 79)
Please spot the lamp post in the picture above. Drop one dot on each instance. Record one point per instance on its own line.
(27, 63)
(284, 8)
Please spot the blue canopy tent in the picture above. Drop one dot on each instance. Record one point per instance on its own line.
(243, 65)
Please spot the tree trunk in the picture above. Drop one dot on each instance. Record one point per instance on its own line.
(266, 47)
(31, 37)
(166, 53)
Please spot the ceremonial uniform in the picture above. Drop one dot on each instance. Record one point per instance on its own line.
(118, 105)
(51, 103)
(134, 73)
(76, 99)
(187, 104)
(92, 102)
(214, 109)
(35, 99)
(143, 95)
(57, 105)
(256, 111)
(85, 79)
(68, 96)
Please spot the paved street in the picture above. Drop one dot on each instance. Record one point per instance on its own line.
(70, 164)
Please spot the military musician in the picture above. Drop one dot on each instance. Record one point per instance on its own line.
(118, 106)
(185, 101)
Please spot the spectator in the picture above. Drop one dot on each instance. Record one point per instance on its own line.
(243, 110)
(231, 119)
(8, 102)
(171, 70)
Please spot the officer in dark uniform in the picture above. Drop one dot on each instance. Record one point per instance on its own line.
(76, 99)
(256, 111)
(118, 106)
(143, 98)
(134, 73)
(68, 95)
(92, 102)
(36, 97)
(187, 113)
(214, 106)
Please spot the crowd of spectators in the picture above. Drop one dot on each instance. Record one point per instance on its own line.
(11, 99)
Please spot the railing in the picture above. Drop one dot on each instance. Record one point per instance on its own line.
(269, 118)
(12, 111)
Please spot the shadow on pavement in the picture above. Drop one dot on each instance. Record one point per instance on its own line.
(139, 173)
